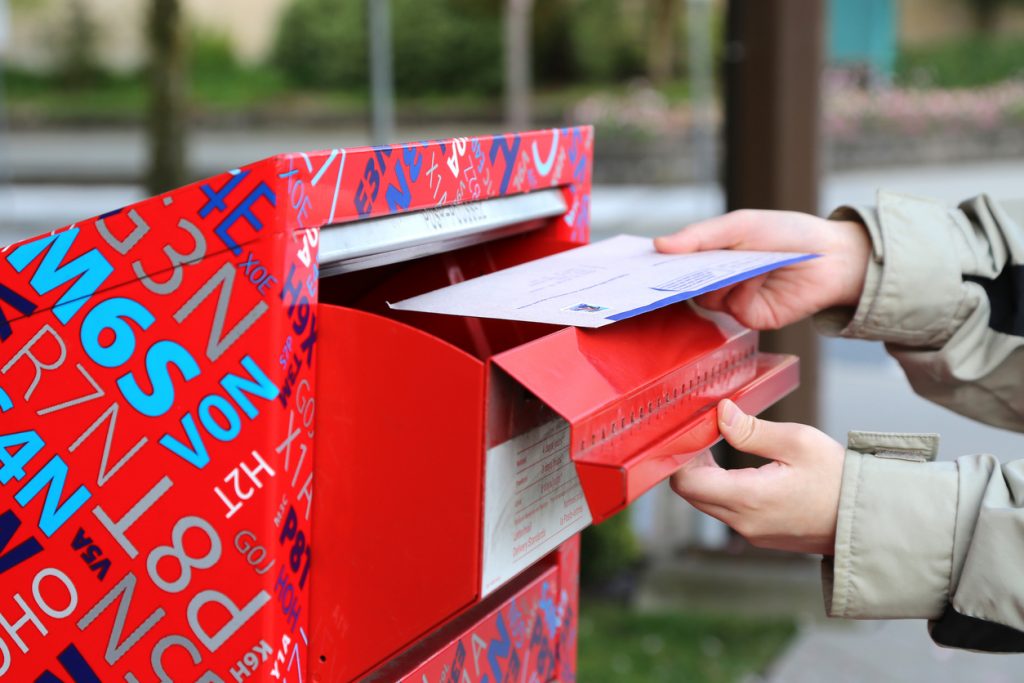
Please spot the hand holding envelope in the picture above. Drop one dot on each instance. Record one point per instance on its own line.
(598, 284)
(788, 295)
(791, 502)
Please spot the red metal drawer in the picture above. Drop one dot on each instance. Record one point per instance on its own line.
(526, 631)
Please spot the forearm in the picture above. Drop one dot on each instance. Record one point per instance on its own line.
(936, 541)
(942, 289)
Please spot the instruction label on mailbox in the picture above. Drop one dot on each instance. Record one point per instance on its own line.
(533, 501)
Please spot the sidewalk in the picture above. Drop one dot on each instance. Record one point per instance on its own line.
(885, 652)
(837, 651)
(117, 156)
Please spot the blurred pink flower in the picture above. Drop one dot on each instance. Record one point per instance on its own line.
(848, 110)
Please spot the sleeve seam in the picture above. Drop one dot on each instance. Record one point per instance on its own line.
(952, 546)
(851, 552)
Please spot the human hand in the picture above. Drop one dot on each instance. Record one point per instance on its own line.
(790, 503)
(786, 295)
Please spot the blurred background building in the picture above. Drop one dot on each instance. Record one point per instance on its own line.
(105, 101)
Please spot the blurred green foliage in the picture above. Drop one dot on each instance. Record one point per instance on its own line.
(610, 550)
(456, 45)
(621, 646)
(35, 97)
(437, 44)
(218, 81)
(447, 44)
(217, 84)
(323, 42)
(961, 63)
(605, 45)
(210, 53)
(77, 66)
(447, 58)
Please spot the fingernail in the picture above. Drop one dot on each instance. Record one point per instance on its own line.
(728, 412)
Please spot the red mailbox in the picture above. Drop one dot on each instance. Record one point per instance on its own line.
(223, 457)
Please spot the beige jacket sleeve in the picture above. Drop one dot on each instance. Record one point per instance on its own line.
(919, 539)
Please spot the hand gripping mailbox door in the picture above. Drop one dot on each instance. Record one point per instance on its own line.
(160, 401)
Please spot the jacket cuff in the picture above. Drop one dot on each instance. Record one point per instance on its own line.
(912, 290)
(894, 534)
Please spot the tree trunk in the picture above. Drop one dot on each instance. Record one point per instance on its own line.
(167, 97)
(661, 46)
(518, 62)
(986, 12)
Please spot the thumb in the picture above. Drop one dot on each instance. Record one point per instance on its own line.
(682, 242)
(703, 481)
(722, 232)
(772, 440)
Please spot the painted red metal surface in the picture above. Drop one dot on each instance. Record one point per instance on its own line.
(640, 395)
(399, 454)
(158, 400)
(525, 632)
(404, 436)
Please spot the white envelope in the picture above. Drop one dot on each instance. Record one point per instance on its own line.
(598, 284)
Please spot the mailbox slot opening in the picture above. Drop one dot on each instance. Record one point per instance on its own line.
(503, 233)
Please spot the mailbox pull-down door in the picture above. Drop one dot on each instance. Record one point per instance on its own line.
(640, 395)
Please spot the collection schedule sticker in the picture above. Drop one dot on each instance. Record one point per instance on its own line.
(533, 501)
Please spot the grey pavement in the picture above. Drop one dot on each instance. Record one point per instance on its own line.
(885, 652)
(836, 651)
(861, 387)
(118, 155)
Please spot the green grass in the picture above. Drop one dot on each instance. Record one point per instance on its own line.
(961, 63)
(238, 92)
(621, 646)
(46, 98)
(262, 93)
(123, 98)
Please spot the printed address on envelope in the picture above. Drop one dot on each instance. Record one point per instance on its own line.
(598, 284)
